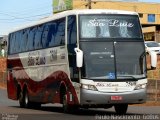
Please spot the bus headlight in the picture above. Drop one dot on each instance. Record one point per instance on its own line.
(88, 87)
(140, 86)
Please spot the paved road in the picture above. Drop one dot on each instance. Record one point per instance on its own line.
(10, 110)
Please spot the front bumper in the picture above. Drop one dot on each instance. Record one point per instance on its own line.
(89, 97)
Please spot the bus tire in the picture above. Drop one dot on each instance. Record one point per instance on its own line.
(66, 106)
(24, 99)
(21, 99)
(121, 109)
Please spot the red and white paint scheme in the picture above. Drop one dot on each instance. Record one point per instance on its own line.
(79, 58)
(42, 73)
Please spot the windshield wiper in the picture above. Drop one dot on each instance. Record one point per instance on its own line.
(127, 76)
(101, 77)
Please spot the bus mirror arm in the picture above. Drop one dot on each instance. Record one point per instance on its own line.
(153, 60)
(79, 57)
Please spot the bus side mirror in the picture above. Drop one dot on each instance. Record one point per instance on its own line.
(79, 57)
(153, 60)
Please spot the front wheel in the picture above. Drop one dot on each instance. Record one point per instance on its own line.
(121, 108)
(66, 106)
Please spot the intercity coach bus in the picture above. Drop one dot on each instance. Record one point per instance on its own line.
(79, 58)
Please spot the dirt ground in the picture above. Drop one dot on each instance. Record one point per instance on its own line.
(149, 103)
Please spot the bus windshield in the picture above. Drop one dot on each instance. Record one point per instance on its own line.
(110, 26)
(113, 47)
(104, 60)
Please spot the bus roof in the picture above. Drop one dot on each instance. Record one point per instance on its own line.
(74, 12)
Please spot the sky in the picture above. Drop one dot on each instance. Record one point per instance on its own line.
(15, 13)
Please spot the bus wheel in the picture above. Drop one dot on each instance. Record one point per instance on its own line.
(121, 108)
(23, 99)
(66, 106)
(69, 108)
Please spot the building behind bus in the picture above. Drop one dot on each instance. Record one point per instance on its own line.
(148, 12)
(149, 15)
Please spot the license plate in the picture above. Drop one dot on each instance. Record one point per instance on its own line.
(116, 97)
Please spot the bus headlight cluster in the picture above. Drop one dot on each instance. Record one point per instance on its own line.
(140, 86)
(88, 87)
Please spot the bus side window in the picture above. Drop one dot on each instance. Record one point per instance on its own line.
(15, 42)
(24, 40)
(11, 43)
(31, 39)
(58, 33)
(45, 35)
(52, 34)
(37, 39)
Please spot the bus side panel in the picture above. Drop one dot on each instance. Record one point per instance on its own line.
(42, 80)
(11, 86)
(48, 90)
(12, 80)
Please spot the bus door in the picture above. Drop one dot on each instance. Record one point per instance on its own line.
(71, 45)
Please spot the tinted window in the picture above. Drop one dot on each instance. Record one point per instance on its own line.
(38, 36)
(42, 36)
(58, 34)
(103, 60)
(18, 40)
(109, 26)
(72, 30)
(14, 43)
(24, 40)
(31, 36)
(45, 32)
(11, 40)
(71, 44)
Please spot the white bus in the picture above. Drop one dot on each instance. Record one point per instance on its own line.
(79, 58)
